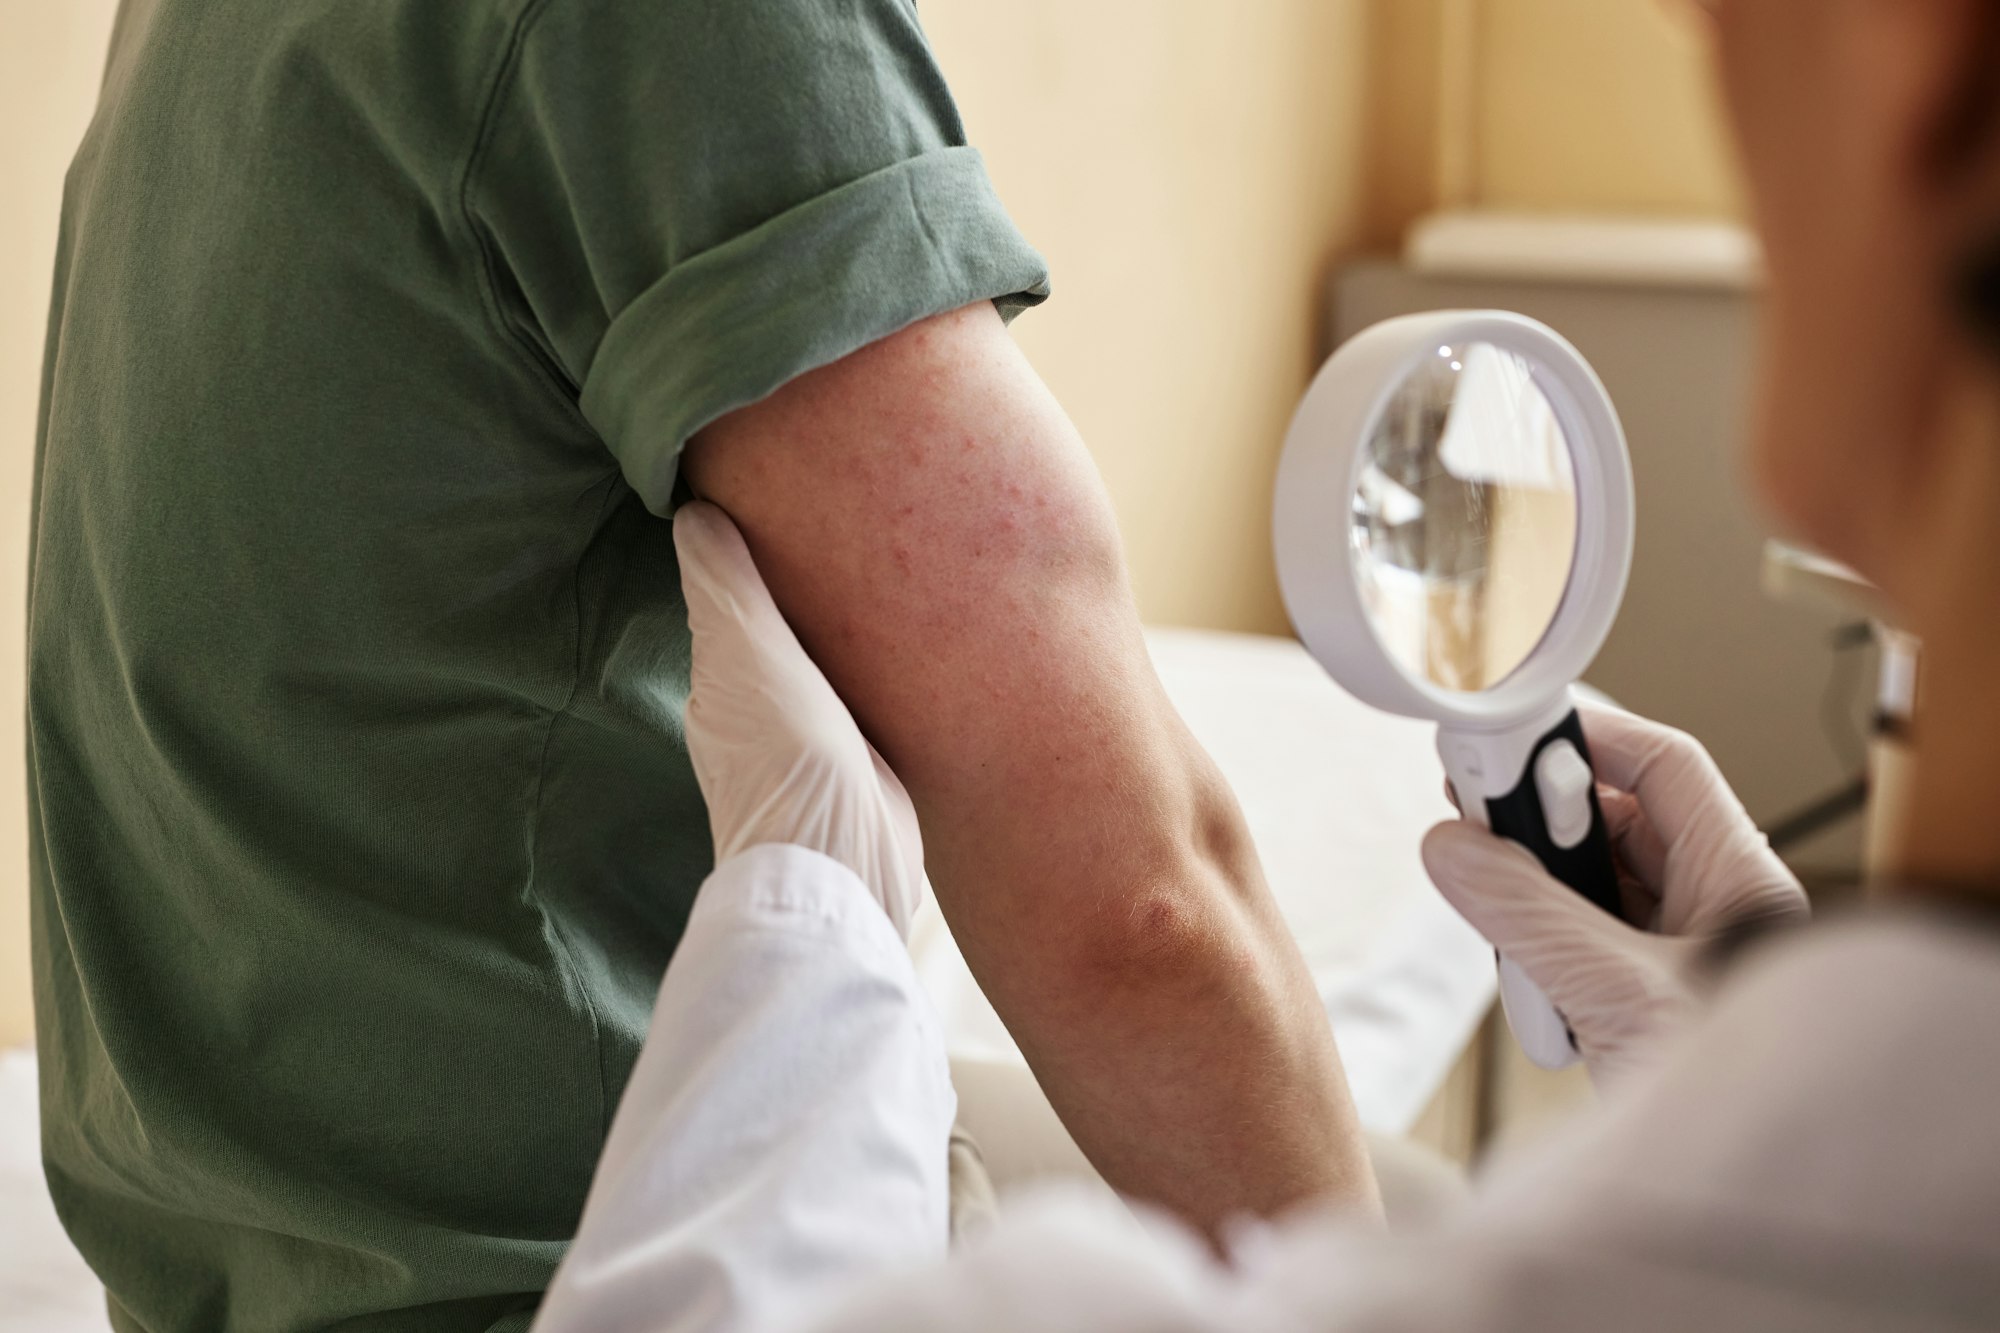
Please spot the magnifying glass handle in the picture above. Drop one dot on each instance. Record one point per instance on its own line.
(1534, 1019)
(1553, 811)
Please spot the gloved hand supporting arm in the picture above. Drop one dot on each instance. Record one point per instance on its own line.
(786, 1127)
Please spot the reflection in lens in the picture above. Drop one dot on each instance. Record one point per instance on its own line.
(1465, 518)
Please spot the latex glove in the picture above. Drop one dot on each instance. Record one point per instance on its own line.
(778, 756)
(1691, 864)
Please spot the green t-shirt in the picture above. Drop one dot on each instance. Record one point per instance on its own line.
(363, 826)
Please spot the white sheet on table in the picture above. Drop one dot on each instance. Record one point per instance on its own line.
(45, 1287)
(1338, 797)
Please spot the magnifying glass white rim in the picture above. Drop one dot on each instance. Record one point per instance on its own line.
(1325, 451)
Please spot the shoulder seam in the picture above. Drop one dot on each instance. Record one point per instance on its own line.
(537, 365)
(549, 373)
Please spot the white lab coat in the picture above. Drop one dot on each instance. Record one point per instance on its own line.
(786, 1126)
(1823, 1153)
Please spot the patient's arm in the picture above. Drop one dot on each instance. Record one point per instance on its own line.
(929, 522)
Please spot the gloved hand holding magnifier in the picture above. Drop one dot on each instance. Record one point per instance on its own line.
(1454, 530)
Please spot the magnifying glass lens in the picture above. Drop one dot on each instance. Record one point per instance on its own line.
(1464, 520)
(1480, 495)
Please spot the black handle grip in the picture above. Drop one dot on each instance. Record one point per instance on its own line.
(1587, 867)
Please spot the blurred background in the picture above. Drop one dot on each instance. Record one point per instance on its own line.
(1224, 191)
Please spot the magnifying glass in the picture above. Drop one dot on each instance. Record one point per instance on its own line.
(1454, 529)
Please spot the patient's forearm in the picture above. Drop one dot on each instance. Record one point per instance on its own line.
(1163, 1004)
(929, 523)
(1098, 876)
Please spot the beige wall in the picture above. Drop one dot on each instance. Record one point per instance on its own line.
(1191, 169)
(1597, 104)
(1557, 105)
(50, 56)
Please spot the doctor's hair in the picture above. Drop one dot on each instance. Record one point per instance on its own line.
(1966, 144)
(1977, 298)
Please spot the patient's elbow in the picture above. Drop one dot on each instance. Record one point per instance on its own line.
(1183, 940)
(1192, 923)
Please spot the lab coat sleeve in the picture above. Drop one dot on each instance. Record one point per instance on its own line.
(1816, 1157)
(785, 1129)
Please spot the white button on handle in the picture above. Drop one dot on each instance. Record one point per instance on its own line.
(1563, 781)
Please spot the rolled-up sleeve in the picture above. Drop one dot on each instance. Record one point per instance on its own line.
(688, 203)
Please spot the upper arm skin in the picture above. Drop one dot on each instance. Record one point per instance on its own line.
(928, 520)
(930, 523)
